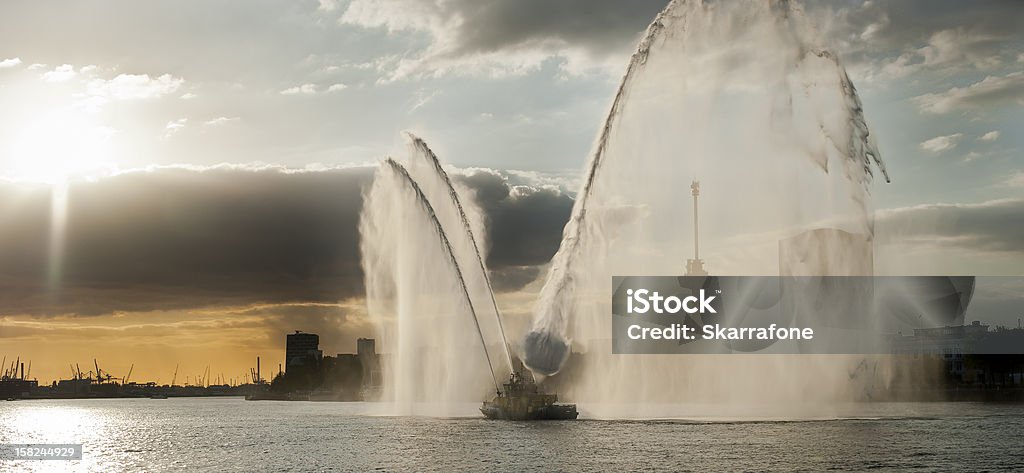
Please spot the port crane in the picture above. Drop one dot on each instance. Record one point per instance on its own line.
(125, 379)
(101, 376)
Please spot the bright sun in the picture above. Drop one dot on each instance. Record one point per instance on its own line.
(56, 146)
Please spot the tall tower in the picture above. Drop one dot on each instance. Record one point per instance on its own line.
(695, 266)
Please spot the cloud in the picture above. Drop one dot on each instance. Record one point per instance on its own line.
(10, 62)
(992, 91)
(91, 90)
(173, 127)
(62, 73)
(959, 45)
(506, 37)
(941, 143)
(134, 86)
(947, 49)
(423, 98)
(893, 39)
(567, 182)
(328, 5)
(525, 221)
(234, 235)
(310, 89)
(512, 37)
(990, 136)
(992, 226)
(1014, 180)
(304, 89)
(220, 121)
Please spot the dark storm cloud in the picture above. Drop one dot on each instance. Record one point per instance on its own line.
(996, 226)
(904, 21)
(464, 33)
(926, 31)
(521, 219)
(597, 25)
(468, 27)
(177, 238)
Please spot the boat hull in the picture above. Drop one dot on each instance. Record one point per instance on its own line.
(551, 412)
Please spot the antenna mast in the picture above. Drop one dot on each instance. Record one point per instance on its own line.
(695, 266)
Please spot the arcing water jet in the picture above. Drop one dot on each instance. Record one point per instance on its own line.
(439, 174)
(419, 298)
(447, 246)
(739, 96)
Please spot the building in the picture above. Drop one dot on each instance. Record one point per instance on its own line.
(301, 348)
(950, 343)
(366, 352)
(971, 353)
(366, 346)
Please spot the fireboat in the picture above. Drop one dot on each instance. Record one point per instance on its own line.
(520, 399)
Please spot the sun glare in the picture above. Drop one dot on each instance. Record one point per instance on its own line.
(57, 146)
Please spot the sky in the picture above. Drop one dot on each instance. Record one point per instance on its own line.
(216, 153)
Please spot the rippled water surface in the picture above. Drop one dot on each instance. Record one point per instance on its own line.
(230, 434)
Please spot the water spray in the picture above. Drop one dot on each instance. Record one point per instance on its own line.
(440, 172)
(446, 244)
(742, 97)
(546, 349)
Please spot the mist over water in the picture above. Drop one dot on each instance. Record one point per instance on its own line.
(742, 97)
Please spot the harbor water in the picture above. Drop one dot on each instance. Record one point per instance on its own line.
(230, 434)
